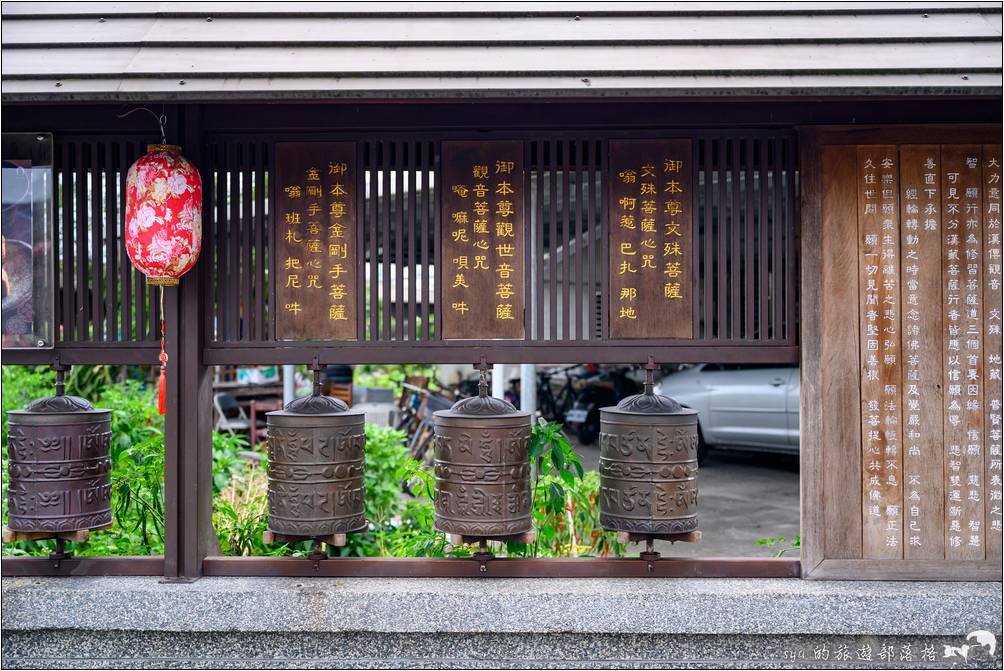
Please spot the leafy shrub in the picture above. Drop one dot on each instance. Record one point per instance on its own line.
(240, 514)
(389, 376)
(227, 460)
(386, 455)
(793, 545)
(21, 384)
(566, 510)
(240, 511)
(575, 529)
(137, 453)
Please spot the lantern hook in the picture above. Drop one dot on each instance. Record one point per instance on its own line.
(161, 119)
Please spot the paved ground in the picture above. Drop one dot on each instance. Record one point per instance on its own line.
(742, 497)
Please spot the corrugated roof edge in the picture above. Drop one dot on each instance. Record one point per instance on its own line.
(201, 10)
(376, 95)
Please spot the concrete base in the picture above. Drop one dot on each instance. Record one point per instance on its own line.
(532, 623)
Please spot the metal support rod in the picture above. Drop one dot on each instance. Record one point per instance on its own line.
(482, 368)
(650, 369)
(528, 387)
(60, 377)
(316, 367)
(498, 380)
(288, 383)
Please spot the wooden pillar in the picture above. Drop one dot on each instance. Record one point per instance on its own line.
(189, 535)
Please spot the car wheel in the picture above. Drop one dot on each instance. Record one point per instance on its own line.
(702, 447)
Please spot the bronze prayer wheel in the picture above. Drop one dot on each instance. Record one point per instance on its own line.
(483, 468)
(315, 468)
(648, 466)
(59, 466)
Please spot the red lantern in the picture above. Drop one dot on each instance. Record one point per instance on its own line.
(163, 232)
(163, 214)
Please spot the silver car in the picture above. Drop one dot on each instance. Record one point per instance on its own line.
(744, 407)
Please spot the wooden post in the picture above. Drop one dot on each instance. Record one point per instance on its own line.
(189, 535)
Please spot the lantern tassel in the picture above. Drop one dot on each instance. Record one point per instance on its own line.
(162, 381)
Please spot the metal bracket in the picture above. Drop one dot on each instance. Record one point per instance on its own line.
(317, 554)
(483, 556)
(482, 367)
(59, 554)
(316, 367)
(649, 555)
(60, 369)
(650, 369)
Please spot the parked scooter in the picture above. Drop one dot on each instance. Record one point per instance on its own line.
(609, 389)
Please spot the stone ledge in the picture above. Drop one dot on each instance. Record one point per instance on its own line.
(76, 649)
(482, 606)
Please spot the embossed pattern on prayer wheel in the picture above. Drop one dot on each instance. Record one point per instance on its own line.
(59, 466)
(315, 468)
(483, 468)
(648, 466)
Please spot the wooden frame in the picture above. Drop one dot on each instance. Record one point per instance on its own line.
(828, 538)
(830, 401)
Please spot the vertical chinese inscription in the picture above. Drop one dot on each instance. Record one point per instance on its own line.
(315, 263)
(962, 248)
(920, 238)
(993, 297)
(881, 373)
(651, 268)
(482, 240)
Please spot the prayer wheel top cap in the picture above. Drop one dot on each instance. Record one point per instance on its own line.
(650, 403)
(60, 404)
(314, 404)
(481, 406)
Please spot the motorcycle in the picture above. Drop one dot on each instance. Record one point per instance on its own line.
(583, 419)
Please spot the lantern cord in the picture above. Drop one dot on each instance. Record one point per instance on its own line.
(161, 120)
(162, 380)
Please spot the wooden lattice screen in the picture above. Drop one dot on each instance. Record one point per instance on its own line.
(745, 237)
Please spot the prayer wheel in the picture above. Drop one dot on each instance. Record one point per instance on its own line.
(648, 466)
(59, 465)
(316, 448)
(483, 468)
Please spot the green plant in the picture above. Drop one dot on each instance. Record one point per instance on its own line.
(390, 376)
(227, 462)
(556, 467)
(386, 455)
(794, 544)
(240, 515)
(90, 382)
(21, 384)
(415, 534)
(137, 453)
(552, 454)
